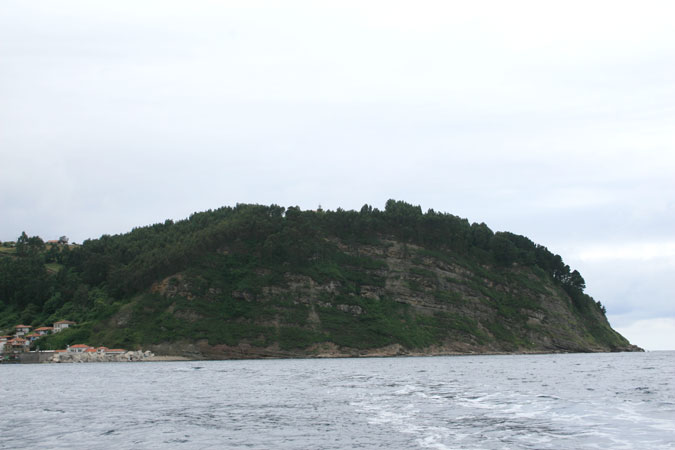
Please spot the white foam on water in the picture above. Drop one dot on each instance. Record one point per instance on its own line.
(433, 441)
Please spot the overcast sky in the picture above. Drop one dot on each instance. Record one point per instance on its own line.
(551, 120)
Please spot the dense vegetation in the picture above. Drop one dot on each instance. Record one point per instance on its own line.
(228, 257)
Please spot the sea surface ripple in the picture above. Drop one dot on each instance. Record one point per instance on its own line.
(570, 401)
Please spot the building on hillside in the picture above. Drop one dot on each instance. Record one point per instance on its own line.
(44, 330)
(102, 350)
(62, 325)
(115, 351)
(32, 337)
(3, 341)
(77, 348)
(22, 330)
(17, 345)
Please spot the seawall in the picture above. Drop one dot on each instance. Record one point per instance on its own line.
(35, 357)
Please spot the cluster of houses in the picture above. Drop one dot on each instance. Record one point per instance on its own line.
(82, 348)
(23, 337)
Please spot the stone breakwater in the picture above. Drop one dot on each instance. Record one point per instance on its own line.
(129, 356)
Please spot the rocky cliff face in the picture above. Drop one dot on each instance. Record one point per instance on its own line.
(388, 298)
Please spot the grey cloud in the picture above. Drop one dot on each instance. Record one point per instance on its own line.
(122, 114)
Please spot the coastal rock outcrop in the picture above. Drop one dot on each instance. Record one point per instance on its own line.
(71, 357)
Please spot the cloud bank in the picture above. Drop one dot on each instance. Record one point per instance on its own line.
(551, 121)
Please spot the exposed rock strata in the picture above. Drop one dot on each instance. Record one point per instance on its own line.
(512, 310)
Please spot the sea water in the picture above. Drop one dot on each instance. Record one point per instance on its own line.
(566, 401)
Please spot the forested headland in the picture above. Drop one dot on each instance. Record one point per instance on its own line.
(270, 281)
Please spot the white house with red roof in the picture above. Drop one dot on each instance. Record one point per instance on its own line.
(22, 330)
(62, 325)
(77, 348)
(115, 351)
(44, 330)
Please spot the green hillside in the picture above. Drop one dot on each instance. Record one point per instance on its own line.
(268, 281)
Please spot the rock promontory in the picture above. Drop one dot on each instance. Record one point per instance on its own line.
(255, 281)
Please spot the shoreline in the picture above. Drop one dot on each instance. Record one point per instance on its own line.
(47, 357)
(169, 358)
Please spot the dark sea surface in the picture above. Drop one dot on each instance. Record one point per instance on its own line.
(573, 401)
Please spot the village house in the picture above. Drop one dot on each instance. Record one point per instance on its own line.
(17, 345)
(22, 330)
(31, 337)
(83, 348)
(3, 341)
(115, 351)
(62, 325)
(44, 330)
(77, 348)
